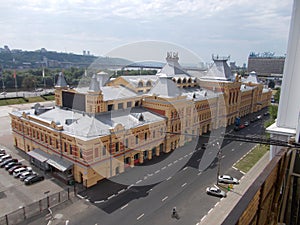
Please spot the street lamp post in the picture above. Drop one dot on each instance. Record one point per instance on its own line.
(219, 161)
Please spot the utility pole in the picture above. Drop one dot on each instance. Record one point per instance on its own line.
(219, 161)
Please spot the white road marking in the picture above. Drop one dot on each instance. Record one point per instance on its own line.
(119, 192)
(163, 168)
(203, 218)
(186, 156)
(180, 158)
(241, 143)
(165, 198)
(232, 149)
(183, 184)
(175, 161)
(139, 181)
(210, 210)
(217, 204)
(157, 171)
(169, 178)
(124, 206)
(98, 201)
(170, 164)
(223, 156)
(111, 196)
(140, 216)
(199, 173)
(184, 168)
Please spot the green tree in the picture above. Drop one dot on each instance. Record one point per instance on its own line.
(29, 82)
(277, 95)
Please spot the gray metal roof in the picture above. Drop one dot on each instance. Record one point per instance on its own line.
(219, 71)
(84, 126)
(199, 94)
(61, 81)
(165, 87)
(134, 80)
(252, 78)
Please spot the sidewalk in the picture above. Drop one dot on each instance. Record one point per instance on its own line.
(219, 213)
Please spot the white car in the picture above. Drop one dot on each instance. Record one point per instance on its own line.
(21, 170)
(228, 179)
(216, 192)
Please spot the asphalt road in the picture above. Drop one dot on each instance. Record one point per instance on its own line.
(146, 195)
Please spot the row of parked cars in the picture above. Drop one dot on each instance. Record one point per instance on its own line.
(18, 170)
(247, 123)
(216, 191)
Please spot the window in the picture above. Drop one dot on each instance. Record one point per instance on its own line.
(126, 142)
(120, 105)
(117, 146)
(146, 136)
(129, 104)
(140, 84)
(136, 139)
(104, 150)
(81, 156)
(154, 134)
(65, 146)
(110, 107)
(71, 149)
(96, 152)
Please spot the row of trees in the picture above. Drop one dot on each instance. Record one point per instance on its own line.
(33, 78)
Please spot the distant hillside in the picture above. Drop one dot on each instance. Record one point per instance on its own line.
(49, 59)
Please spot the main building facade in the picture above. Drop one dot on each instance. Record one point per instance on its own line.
(98, 131)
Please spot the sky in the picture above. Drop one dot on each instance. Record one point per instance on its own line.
(201, 27)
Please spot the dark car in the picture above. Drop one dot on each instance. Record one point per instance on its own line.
(11, 164)
(2, 151)
(7, 161)
(266, 114)
(33, 179)
(236, 128)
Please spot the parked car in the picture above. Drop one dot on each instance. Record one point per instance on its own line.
(33, 179)
(258, 117)
(266, 113)
(246, 123)
(236, 128)
(5, 162)
(12, 169)
(3, 158)
(215, 192)
(2, 151)
(228, 179)
(18, 172)
(11, 164)
(242, 126)
(26, 174)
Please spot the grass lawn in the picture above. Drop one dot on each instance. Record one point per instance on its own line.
(49, 97)
(252, 158)
(12, 101)
(35, 99)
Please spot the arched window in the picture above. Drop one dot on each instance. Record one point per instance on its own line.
(148, 84)
(140, 84)
(184, 80)
(179, 81)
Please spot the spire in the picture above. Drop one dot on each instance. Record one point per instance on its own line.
(61, 81)
(94, 85)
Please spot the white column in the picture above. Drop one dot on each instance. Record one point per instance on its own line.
(289, 104)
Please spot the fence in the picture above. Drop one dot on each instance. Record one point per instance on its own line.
(36, 208)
